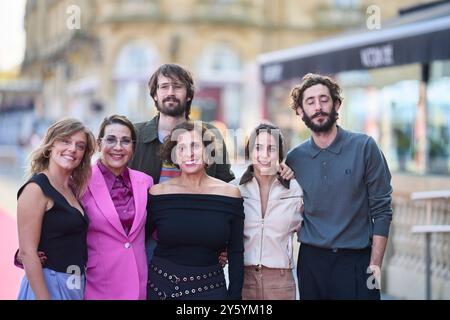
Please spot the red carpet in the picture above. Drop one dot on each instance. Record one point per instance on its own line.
(10, 275)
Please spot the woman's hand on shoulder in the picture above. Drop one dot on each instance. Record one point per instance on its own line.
(286, 172)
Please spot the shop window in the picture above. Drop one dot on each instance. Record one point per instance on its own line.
(220, 74)
(438, 128)
(399, 103)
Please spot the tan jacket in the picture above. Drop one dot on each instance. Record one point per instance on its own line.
(268, 241)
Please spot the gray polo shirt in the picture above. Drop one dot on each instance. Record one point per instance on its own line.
(347, 191)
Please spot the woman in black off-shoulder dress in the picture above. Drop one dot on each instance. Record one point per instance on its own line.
(195, 217)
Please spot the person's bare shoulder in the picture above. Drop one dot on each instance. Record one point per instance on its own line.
(157, 189)
(32, 190)
(232, 191)
(32, 200)
(166, 187)
(226, 189)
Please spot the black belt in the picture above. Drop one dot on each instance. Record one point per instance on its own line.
(186, 278)
(169, 281)
(339, 250)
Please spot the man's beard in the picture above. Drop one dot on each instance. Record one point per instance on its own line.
(324, 126)
(174, 110)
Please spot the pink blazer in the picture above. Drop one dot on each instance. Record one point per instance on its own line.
(117, 262)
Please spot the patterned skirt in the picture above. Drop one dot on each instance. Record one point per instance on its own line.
(168, 280)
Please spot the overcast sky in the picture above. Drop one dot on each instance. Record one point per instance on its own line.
(12, 34)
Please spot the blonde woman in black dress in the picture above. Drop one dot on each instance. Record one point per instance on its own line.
(49, 215)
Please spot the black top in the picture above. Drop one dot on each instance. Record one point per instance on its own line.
(194, 228)
(63, 232)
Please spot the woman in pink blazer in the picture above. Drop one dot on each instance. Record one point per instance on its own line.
(115, 202)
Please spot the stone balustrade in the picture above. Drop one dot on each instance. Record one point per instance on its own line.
(404, 267)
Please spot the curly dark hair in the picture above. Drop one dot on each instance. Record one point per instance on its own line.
(170, 141)
(172, 71)
(310, 80)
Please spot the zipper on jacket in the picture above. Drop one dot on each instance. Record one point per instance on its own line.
(261, 244)
(290, 197)
(262, 218)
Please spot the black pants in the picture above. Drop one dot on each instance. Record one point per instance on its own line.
(334, 274)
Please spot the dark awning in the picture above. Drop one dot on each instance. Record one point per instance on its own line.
(418, 42)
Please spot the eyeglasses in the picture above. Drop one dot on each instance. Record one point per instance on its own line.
(164, 87)
(111, 141)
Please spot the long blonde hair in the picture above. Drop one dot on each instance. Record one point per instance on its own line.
(39, 158)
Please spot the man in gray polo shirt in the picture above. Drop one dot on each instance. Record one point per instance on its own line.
(347, 199)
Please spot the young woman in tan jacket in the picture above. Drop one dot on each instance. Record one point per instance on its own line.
(272, 207)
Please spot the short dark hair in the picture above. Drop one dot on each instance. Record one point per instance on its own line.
(170, 141)
(271, 129)
(117, 119)
(310, 80)
(173, 71)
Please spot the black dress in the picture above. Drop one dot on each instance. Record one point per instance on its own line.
(192, 230)
(63, 240)
(63, 231)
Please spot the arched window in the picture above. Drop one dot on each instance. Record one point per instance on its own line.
(134, 64)
(219, 59)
